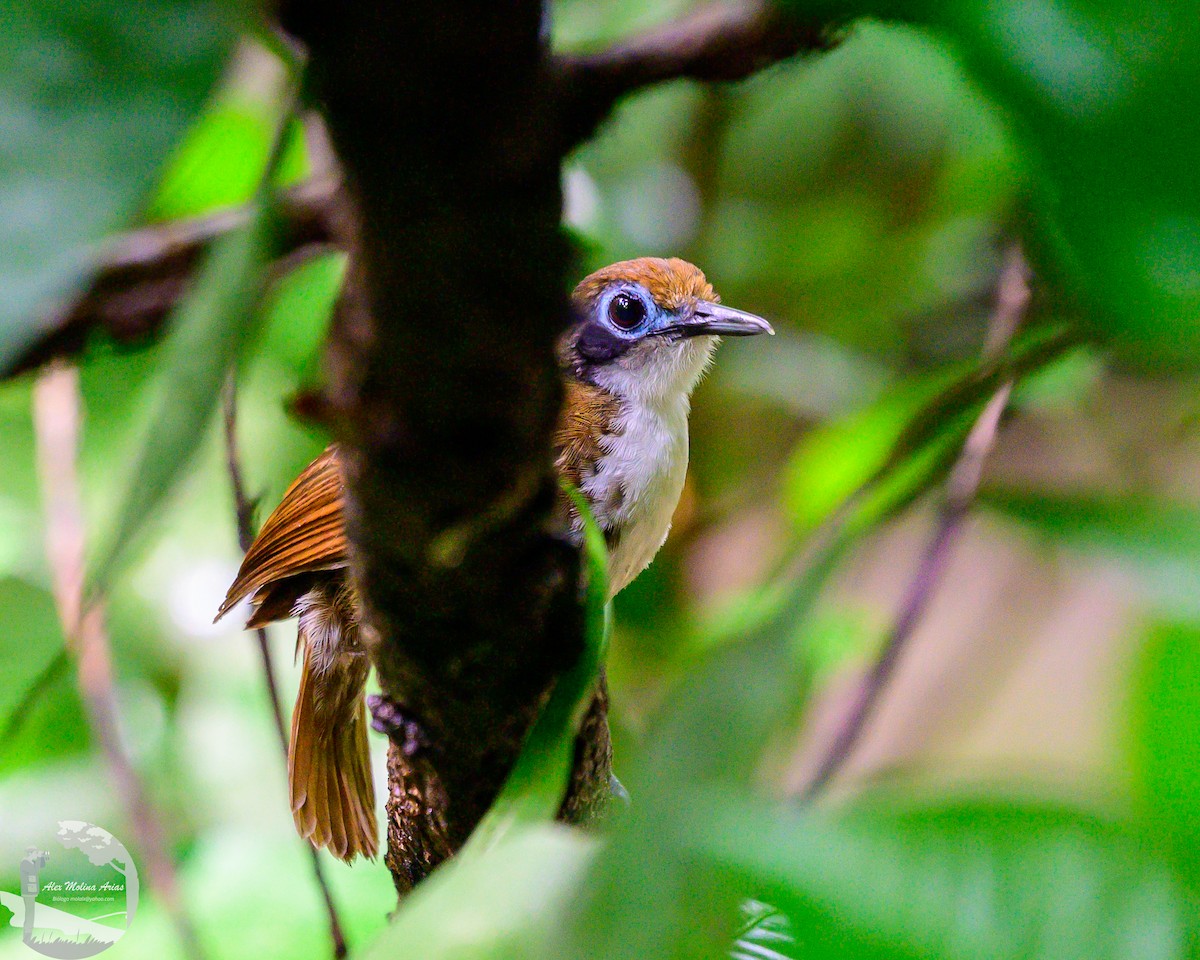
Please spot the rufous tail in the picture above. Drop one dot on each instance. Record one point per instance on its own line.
(329, 764)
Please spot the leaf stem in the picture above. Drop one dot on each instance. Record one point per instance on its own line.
(56, 429)
(1012, 300)
(244, 512)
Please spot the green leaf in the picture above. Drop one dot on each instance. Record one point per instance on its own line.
(959, 880)
(894, 449)
(94, 97)
(834, 461)
(766, 934)
(643, 899)
(535, 788)
(1164, 733)
(297, 315)
(207, 333)
(41, 717)
(31, 642)
(51, 725)
(252, 894)
(221, 161)
(1133, 526)
(502, 904)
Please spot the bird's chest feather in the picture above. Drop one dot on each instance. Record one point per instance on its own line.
(636, 482)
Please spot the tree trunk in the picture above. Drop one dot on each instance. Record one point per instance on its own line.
(444, 387)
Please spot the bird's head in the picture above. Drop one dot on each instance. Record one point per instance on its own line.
(646, 328)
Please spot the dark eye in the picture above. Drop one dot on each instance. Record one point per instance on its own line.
(625, 311)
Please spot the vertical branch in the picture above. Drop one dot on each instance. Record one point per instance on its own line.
(1012, 299)
(244, 512)
(56, 428)
(443, 386)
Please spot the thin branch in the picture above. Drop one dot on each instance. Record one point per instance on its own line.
(1012, 299)
(717, 43)
(56, 424)
(244, 511)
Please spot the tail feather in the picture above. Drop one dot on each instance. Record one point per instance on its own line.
(329, 766)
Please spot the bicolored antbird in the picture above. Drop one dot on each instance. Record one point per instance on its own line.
(645, 332)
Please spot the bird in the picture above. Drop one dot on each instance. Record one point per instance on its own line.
(643, 333)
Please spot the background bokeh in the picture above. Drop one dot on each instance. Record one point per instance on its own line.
(861, 200)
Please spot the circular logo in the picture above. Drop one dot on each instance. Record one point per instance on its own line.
(79, 891)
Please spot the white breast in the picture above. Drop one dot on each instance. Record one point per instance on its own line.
(637, 482)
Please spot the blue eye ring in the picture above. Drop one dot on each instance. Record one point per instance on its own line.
(626, 311)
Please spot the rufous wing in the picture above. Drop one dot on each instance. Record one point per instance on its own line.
(304, 536)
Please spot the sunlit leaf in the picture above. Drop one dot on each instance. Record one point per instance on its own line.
(503, 904)
(835, 460)
(93, 96)
(894, 449)
(222, 159)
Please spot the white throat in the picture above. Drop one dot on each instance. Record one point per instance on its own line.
(638, 479)
(663, 377)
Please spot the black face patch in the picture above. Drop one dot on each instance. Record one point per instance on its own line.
(597, 344)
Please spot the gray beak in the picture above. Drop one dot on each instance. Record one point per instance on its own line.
(715, 319)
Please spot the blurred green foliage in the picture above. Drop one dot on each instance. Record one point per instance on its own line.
(95, 95)
(860, 199)
(1163, 734)
(1095, 91)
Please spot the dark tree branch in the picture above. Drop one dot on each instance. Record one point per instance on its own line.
(444, 386)
(142, 275)
(717, 43)
(244, 510)
(1012, 299)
